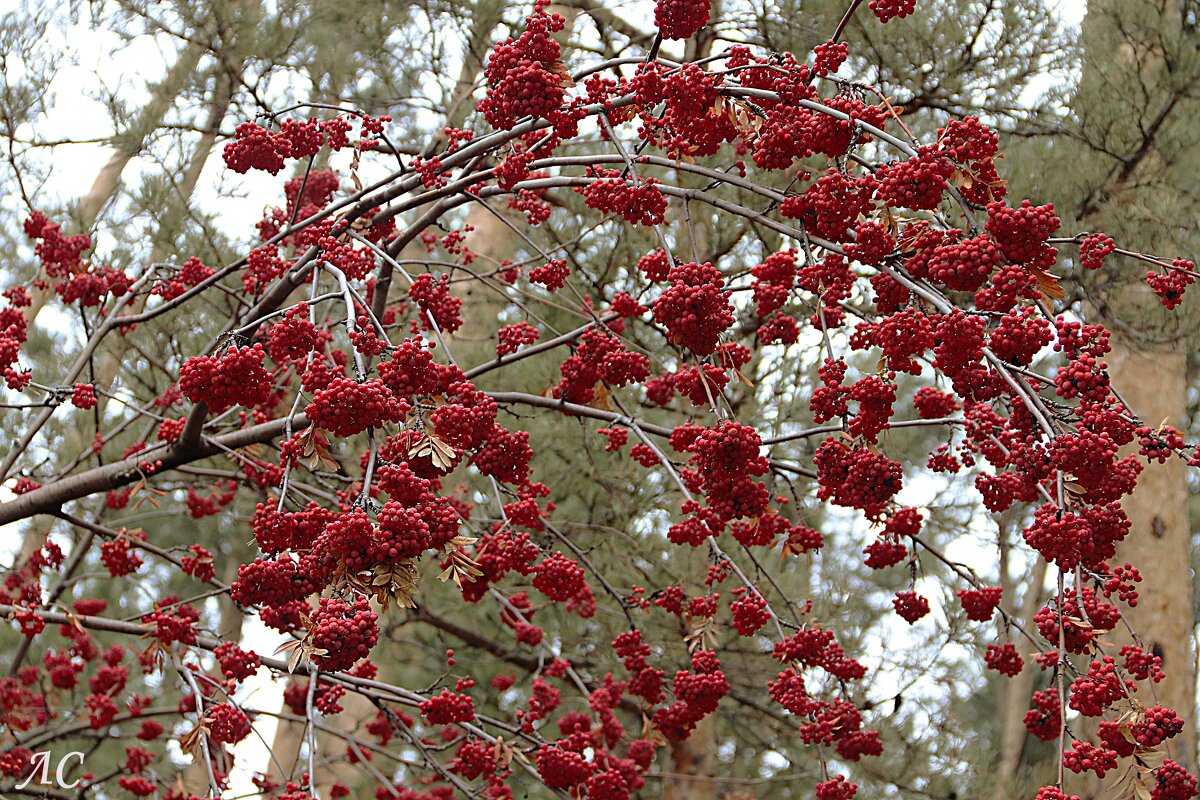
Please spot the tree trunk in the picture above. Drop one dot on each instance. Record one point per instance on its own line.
(1153, 383)
(1017, 691)
(109, 362)
(126, 146)
(693, 765)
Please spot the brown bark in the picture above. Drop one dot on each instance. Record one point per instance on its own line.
(110, 362)
(1153, 382)
(128, 144)
(1148, 368)
(693, 765)
(1016, 692)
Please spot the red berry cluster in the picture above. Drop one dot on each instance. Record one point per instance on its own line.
(1100, 617)
(523, 74)
(447, 708)
(829, 57)
(681, 19)
(1171, 285)
(468, 420)
(886, 10)
(1099, 688)
(750, 613)
(1087, 757)
(638, 203)
(437, 304)
(917, 183)
(294, 337)
(255, 147)
(910, 606)
(346, 407)
(934, 404)
(1094, 249)
(1021, 336)
(553, 274)
(1044, 718)
(83, 396)
(980, 604)
(236, 664)
(831, 207)
(875, 397)
(559, 578)
(1022, 232)
(345, 632)
(1004, 659)
(856, 477)
(513, 336)
(837, 788)
(227, 724)
(816, 647)
(964, 266)
(600, 356)
(235, 378)
(697, 694)
(1156, 725)
(694, 309)
(773, 281)
(1173, 782)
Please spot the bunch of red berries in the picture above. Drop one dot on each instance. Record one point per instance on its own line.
(1044, 718)
(831, 206)
(856, 477)
(411, 369)
(887, 10)
(1173, 782)
(681, 19)
(1004, 659)
(235, 378)
(83, 396)
(511, 337)
(1156, 726)
(917, 183)
(227, 724)
(829, 57)
(836, 788)
(347, 407)
(965, 265)
(448, 707)
(695, 309)
(437, 304)
(980, 604)
(638, 203)
(1094, 249)
(236, 664)
(294, 337)
(1022, 232)
(345, 632)
(910, 606)
(1171, 285)
(522, 74)
(558, 577)
(1087, 757)
(552, 275)
(255, 147)
(749, 613)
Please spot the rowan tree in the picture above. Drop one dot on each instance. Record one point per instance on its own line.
(391, 473)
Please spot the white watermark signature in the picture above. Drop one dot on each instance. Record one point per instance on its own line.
(40, 764)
